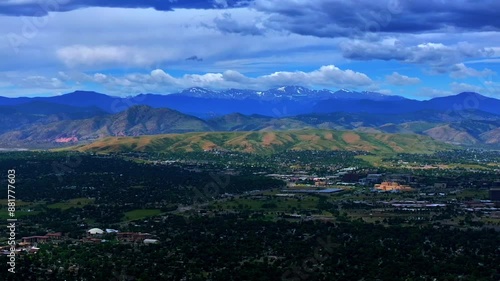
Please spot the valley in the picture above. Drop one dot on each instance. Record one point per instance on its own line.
(228, 213)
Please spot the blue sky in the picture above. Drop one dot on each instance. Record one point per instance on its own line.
(418, 49)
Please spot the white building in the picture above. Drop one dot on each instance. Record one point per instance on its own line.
(95, 231)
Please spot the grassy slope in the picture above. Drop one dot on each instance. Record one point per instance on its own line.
(268, 142)
(141, 214)
(75, 203)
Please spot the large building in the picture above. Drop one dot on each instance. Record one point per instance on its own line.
(95, 232)
(35, 239)
(52, 237)
(133, 236)
(391, 186)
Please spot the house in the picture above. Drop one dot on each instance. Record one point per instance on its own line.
(35, 239)
(91, 240)
(439, 185)
(151, 241)
(400, 178)
(33, 250)
(292, 216)
(371, 179)
(49, 237)
(133, 236)
(320, 183)
(54, 236)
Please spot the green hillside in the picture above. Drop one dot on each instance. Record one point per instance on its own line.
(137, 120)
(268, 142)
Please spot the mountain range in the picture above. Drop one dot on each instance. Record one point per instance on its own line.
(83, 117)
(278, 102)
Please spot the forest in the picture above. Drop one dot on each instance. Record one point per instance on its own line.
(189, 207)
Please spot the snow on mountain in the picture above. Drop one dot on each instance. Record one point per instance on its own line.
(286, 93)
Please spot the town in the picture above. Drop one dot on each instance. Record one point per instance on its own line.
(130, 200)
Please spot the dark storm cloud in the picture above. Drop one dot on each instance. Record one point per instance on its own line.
(227, 24)
(336, 18)
(467, 14)
(194, 58)
(436, 55)
(42, 7)
(321, 18)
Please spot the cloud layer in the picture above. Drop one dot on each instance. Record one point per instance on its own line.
(392, 46)
(160, 81)
(37, 8)
(334, 18)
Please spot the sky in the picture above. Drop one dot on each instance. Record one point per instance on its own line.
(414, 48)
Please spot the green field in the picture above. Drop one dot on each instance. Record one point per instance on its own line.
(72, 203)
(21, 208)
(19, 203)
(141, 214)
(472, 194)
(19, 214)
(274, 204)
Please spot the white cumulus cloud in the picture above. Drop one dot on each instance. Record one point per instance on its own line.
(401, 80)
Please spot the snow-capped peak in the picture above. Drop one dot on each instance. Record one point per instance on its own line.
(295, 93)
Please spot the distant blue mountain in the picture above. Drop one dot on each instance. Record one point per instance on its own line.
(14, 101)
(462, 101)
(74, 99)
(41, 107)
(34, 112)
(277, 102)
(82, 99)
